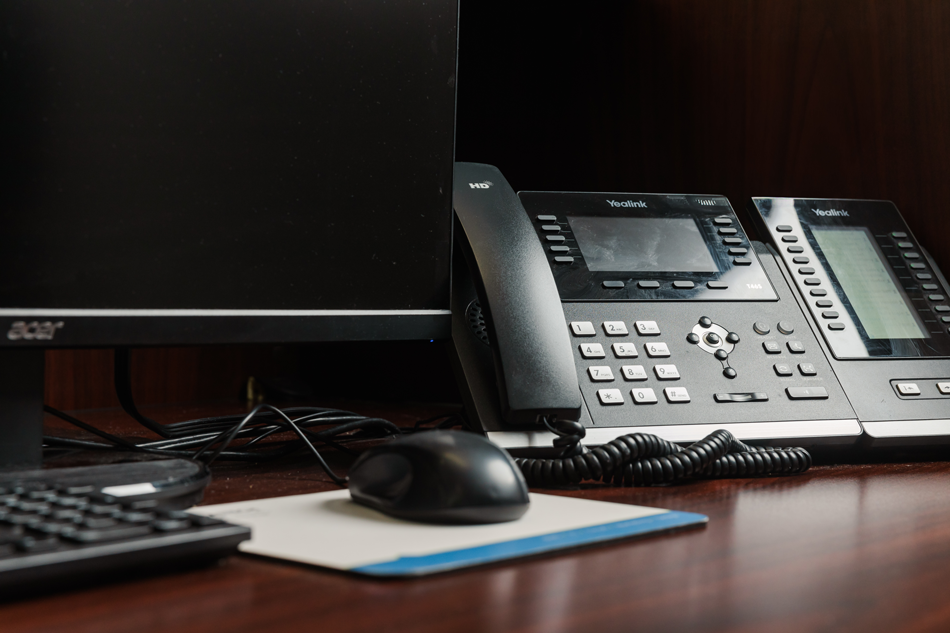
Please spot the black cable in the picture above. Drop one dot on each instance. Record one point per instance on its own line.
(641, 459)
(122, 377)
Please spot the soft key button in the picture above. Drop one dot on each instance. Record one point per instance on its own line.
(592, 350)
(647, 328)
(666, 372)
(944, 388)
(600, 374)
(615, 328)
(625, 350)
(610, 396)
(582, 328)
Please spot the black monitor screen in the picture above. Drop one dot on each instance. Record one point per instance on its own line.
(230, 155)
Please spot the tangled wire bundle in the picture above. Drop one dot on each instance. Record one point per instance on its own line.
(641, 459)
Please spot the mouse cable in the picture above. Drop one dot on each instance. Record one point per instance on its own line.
(215, 435)
(642, 459)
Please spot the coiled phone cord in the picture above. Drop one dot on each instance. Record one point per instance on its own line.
(641, 459)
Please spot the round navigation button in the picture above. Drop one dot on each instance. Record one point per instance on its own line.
(785, 327)
(693, 338)
(761, 327)
(705, 321)
(721, 354)
(729, 372)
(732, 337)
(712, 339)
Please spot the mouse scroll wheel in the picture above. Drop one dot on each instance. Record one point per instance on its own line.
(383, 476)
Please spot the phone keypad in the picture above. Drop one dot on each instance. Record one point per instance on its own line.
(615, 328)
(583, 328)
(643, 396)
(676, 394)
(600, 374)
(657, 350)
(647, 328)
(666, 372)
(634, 372)
(592, 350)
(610, 396)
(625, 350)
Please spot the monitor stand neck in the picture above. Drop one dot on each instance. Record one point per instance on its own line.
(21, 408)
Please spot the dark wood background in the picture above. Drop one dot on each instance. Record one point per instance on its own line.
(822, 98)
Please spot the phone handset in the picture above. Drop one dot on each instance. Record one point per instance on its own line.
(533, 360)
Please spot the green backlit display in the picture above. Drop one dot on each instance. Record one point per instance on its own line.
(868, 283)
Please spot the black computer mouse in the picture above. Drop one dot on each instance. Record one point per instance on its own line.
(440, 477)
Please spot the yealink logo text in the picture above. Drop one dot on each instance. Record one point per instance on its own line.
(831, 213)
(627, 203)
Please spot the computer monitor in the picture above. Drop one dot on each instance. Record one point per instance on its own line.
(177, 172)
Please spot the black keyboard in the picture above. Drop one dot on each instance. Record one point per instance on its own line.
(53, 534)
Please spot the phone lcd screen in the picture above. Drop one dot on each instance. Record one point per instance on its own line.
(868, 284)
(642, 244)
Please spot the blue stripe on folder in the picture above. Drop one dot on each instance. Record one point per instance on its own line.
(443, 561)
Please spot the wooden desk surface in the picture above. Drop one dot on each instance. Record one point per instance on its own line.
(840, 548)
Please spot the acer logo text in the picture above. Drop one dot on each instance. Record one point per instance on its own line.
(33, 330)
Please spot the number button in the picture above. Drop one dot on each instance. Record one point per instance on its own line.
(633, 372)
(676, 394)
(582, 328)
(643, 396)
(610, 396)
(625, 350)
(600, 374)
(657, 350)
(647, 328)
(592, 350)
(666, 372)
(615, 328)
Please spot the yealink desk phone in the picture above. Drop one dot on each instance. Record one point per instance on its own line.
(655, 313)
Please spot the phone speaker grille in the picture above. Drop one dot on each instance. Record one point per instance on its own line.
(476, 320)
